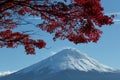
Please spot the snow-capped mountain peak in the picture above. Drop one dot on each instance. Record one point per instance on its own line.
(68, 64)
(69, 59)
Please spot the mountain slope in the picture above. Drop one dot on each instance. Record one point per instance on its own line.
(70, 59)
(68, 64)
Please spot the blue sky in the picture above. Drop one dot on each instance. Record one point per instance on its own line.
(106, 50)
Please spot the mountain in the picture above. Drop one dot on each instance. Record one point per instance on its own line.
(68, 64)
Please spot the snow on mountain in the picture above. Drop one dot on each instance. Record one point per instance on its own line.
(69, 59)
(6, 73)
(68, 64)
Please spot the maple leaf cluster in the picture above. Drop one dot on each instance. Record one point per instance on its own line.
(78, 21)
(13, 39)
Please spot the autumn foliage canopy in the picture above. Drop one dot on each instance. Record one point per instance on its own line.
(79, 21)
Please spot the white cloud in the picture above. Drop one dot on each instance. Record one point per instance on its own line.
(6, 73)
(35, 18)
(116, 20)
(113, 13)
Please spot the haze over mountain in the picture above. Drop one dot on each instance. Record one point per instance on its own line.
(68, 64)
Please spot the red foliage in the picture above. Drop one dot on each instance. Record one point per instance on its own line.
(12, 39)
(76, 22)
